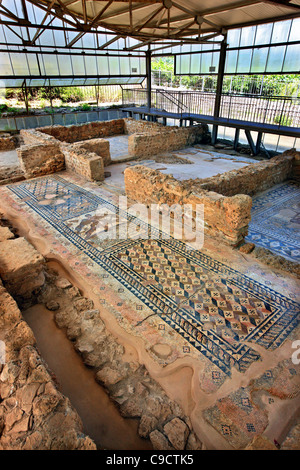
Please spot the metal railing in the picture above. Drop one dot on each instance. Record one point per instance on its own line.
(165, 99)
(276, 110)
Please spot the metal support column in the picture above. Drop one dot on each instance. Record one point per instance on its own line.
(148, 76)
(50, 98)
(97, 95)
(258, 143)
(221, 70)
(236, 139)
(250, 141)
(25, 94)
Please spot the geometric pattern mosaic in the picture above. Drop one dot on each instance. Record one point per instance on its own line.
(215, 308)
(275, 220)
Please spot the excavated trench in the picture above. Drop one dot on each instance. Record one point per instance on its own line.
(101, 419)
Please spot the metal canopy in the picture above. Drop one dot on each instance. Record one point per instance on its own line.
(148, 21)
(85, 39)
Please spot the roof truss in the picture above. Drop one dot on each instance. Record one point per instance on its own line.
(147, 21)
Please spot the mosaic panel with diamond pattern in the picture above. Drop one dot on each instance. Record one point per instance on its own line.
(275, 220)
(216, 309)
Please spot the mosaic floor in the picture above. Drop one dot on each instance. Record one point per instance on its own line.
(213, 310)
(275, 223)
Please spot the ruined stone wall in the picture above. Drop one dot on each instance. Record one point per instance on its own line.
(44, 154)
(98, 146)
(41, 159)
(7, 142)
(90, 130)
(34, 136)
(33, 413)
(139, 126)
(165, 139)
(21, 267)
(226, 218)
(84, 163)
(249, 179)
(295, 173)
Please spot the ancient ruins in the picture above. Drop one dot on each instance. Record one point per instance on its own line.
(149, 270)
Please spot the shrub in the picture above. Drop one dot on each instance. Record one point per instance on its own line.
(283, 120)
(3, 107)
(71, 94)
(85, 107)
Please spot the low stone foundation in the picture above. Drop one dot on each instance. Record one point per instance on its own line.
(250, 179)
(146, 140)
(21, 267)
(295, 174)
(34, 136)
(226, 218)
(97, 146)
(46, 148)
(84, 163)
(139, 126)
(7, 142)
(43, 154)
(226, 198)
(90, 130)
(41, 159)
(34, 415)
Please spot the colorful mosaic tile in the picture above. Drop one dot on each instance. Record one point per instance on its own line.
(214, 308)
(275, 222)
(237, 422)
(248, 411)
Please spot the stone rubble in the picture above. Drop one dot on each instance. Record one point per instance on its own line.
(128, 384)
(21, 267)
(34, 415)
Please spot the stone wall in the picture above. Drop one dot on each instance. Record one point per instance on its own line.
(84, 163)
(98, 146)
(34, 136)
(226, 200)
(7, 142)
(165, 139)
(34, 415)
(250, 179)
(226, 218)
(46, 147)
(139, 126)
(21, 267)
(295, 173)
(41, 159)
(90, 130)
(43, 154)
